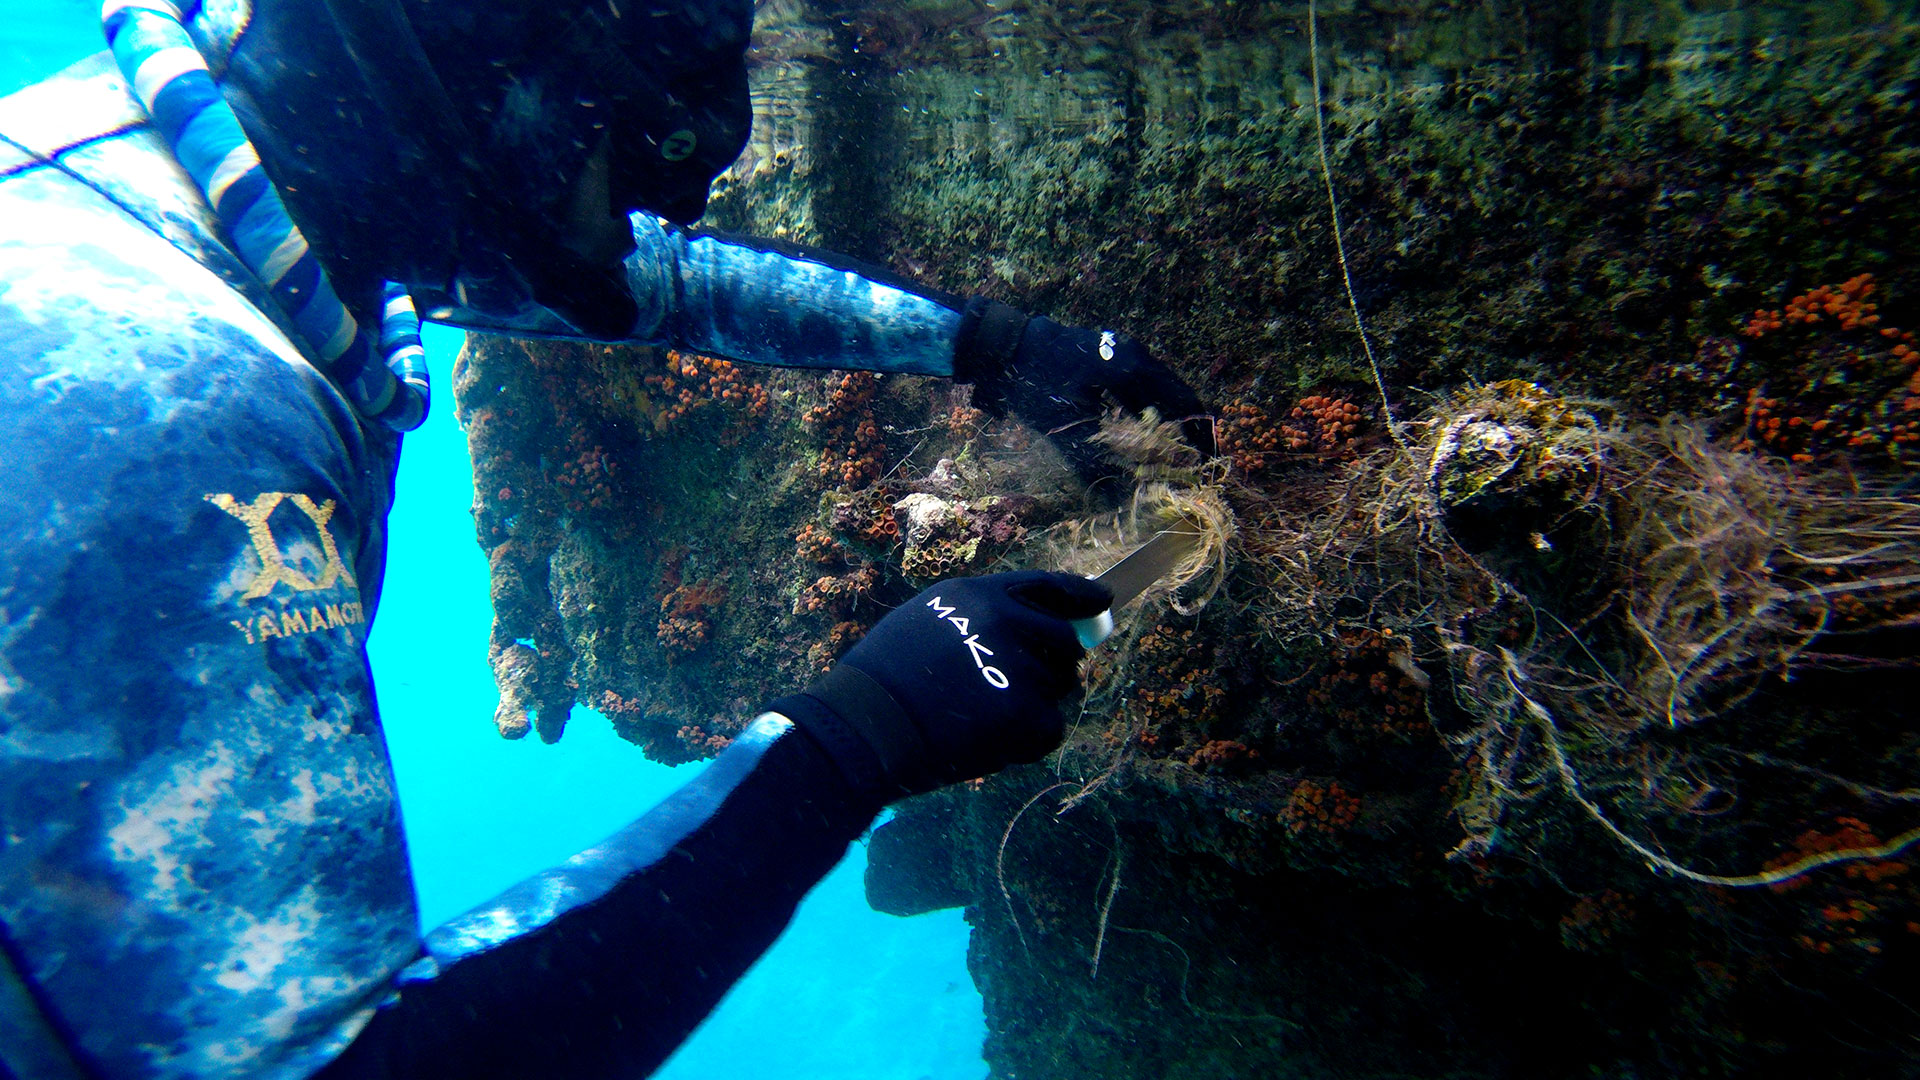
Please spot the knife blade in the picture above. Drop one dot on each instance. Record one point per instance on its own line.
(1130, 577)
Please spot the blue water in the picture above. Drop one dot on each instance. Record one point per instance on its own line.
(40, 36)
(844, 993)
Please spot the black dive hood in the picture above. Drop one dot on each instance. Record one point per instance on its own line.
(516, 95)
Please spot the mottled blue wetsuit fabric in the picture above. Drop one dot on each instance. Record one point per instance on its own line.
(202, 871)
(762, 303)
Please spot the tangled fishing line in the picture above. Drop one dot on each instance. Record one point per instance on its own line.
(1727, 568)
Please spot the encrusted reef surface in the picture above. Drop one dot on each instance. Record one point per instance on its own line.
(1555, 711)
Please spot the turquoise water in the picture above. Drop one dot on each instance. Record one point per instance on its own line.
(835, 996)
(844, 993)
(38, 36)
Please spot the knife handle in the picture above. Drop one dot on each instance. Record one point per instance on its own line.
(1095, 630)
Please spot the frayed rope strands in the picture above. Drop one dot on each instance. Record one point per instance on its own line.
(171, 81)
(1550, 734)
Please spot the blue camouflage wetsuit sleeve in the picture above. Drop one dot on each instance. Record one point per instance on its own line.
(760, 302)
(202, 871)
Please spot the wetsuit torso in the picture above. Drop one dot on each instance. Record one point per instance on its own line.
(202, 870)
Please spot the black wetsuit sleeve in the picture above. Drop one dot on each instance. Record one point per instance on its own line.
(599, 968)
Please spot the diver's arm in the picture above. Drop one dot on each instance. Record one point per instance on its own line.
(756, 301)
(766, 302)
(601, 966)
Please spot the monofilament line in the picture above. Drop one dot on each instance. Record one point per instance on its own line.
(1654, 859)
(1339, 243)
(1000, 862)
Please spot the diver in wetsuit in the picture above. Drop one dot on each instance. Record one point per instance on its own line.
(208, 242)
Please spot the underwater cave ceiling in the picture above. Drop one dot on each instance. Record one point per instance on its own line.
(1560, 725)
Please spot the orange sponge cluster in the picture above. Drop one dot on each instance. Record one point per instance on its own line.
(1319, 808)
(1222, 755)
(1836, 378)
(817, 546)
(701, 741)
(1846, 303)
(691, 382)
(618, 706)
(1175, 682)
(1369, 686)
(585, 480)
(684, 623)
(1247, 436)
(843, 635)
(1596, 920)
(1323, 425)
(852, 444)
(1860, 908)
(835, 593)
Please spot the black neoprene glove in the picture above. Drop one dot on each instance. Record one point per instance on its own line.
(1054, 377)
(963, 680)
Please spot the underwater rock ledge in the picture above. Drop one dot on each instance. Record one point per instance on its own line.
(1623, 587)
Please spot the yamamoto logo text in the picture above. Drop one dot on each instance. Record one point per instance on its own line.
(993, 675)
(291, 620)
(294, 618)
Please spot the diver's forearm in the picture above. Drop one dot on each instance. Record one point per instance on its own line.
(600, 967)
(764, 302)
(755, 301)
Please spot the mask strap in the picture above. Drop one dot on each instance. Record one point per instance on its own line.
(386, 380)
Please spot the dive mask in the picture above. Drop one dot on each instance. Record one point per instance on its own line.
(517, 97)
